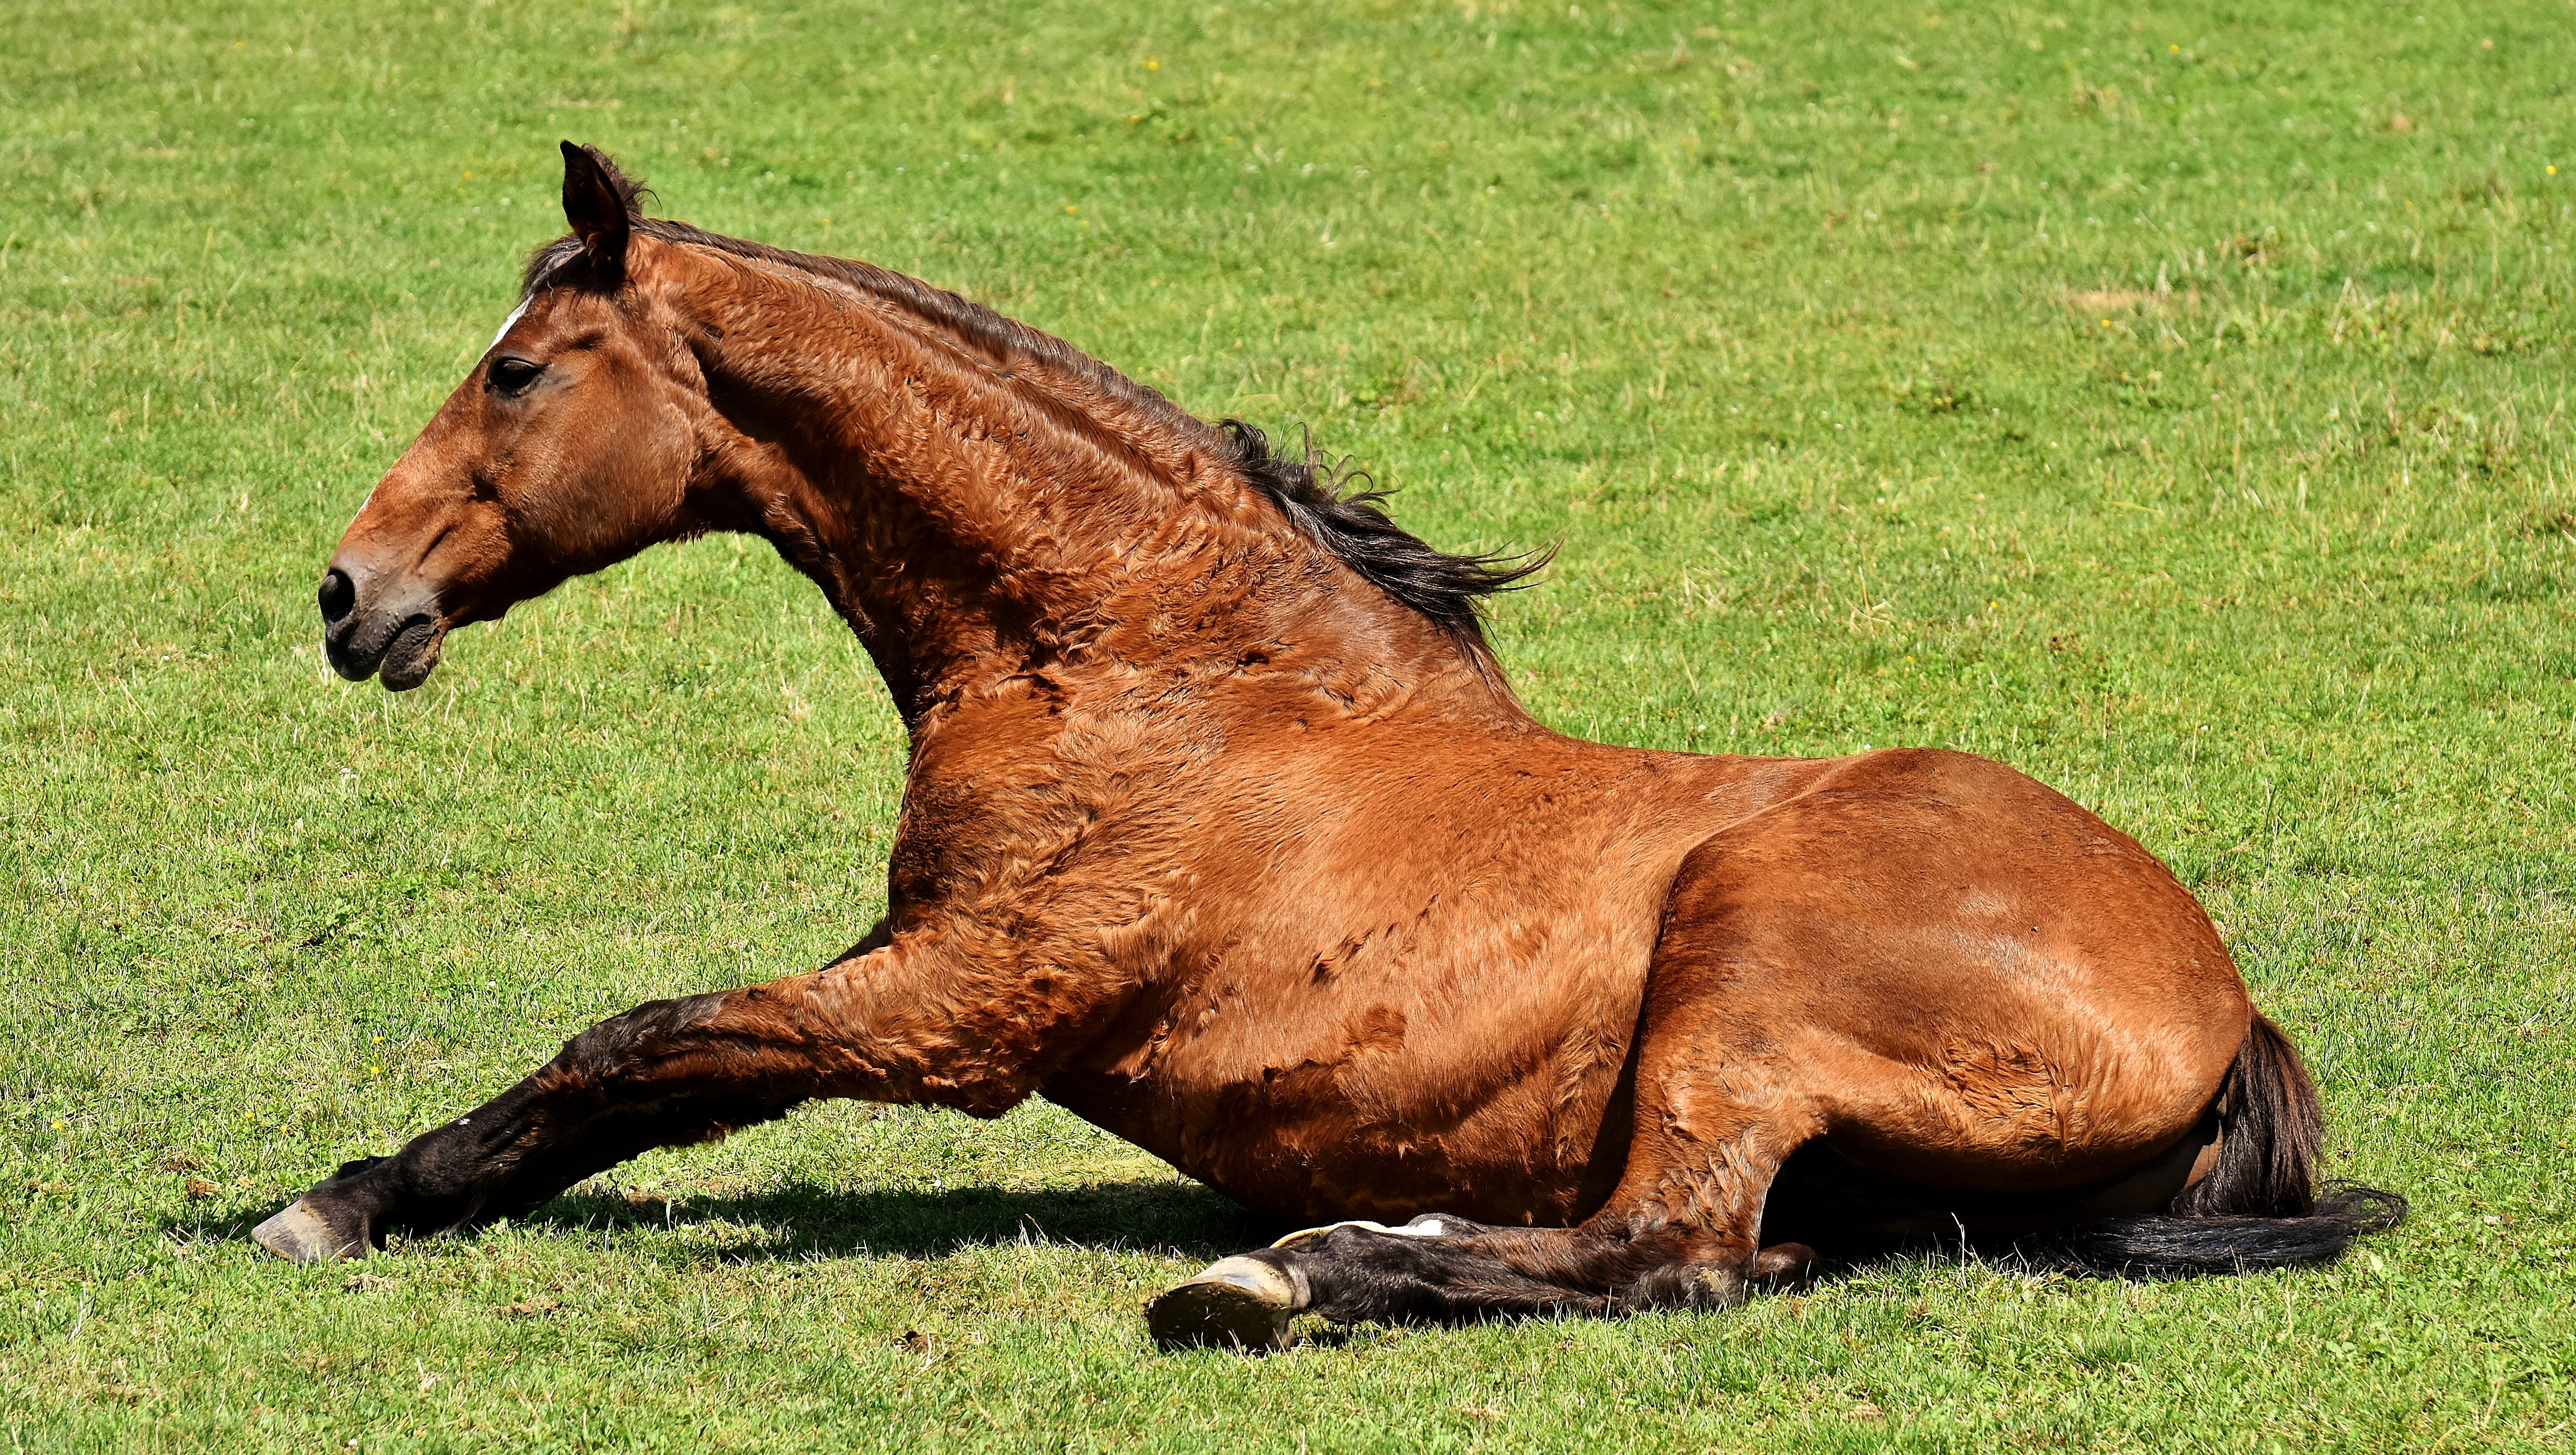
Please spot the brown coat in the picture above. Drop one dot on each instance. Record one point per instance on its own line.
(1221, 830)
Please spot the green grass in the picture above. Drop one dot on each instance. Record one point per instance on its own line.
(2172, 403)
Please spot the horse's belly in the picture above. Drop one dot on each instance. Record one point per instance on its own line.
(1319, 1151)
(1431, 1001)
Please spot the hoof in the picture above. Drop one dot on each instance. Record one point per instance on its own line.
(301, 1234)
(1784, 1268)
(1239, 1303)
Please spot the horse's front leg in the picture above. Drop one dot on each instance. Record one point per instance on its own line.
(667, 1073)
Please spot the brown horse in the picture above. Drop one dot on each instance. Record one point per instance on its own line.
(1222, 830)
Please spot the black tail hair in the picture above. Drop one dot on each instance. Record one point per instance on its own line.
(2259, 1207)
(2271, 1131)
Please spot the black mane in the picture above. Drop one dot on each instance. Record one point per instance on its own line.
(1313, 491)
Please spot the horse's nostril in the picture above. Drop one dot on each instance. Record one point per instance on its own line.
(339, 595)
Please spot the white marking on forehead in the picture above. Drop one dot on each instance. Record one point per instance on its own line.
(509, 323)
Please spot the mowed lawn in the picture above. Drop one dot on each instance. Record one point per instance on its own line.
(2172, 402)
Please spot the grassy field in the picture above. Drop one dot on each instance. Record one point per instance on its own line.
(2171, 402)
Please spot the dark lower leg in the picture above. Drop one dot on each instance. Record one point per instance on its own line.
(1439, 1268)
(1687, 1236)
(1451, 1270)
(1448, 1269)
(1465, 1271)
(664, 1074)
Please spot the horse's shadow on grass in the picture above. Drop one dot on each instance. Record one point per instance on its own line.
(1157, 1216)
(801, 1220)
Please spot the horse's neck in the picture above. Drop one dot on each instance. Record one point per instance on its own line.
(979, 519)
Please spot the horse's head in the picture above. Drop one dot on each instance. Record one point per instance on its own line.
(568, 447)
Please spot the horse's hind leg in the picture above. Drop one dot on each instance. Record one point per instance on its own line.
(1451, 1270)
(1719, 1110)
(1720, 1106)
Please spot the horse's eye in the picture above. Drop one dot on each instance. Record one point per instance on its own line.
(513, 376)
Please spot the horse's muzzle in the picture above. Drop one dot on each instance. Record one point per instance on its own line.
(386, 639)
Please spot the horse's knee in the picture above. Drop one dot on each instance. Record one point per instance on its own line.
(623, 1042)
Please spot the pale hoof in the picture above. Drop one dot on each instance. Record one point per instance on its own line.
(1238, 1303)
(300, 1235)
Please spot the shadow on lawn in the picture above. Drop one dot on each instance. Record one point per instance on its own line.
(801, 1220)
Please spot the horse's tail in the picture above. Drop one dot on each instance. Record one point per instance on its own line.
(2260, 1207)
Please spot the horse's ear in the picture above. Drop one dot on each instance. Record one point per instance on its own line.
(598, 202)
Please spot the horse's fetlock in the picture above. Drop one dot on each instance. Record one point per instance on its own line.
(1687, 1286)
(1716, 1286)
